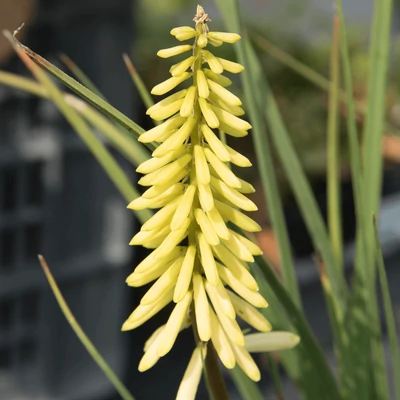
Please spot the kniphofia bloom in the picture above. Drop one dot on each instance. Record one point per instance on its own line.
(199, 261)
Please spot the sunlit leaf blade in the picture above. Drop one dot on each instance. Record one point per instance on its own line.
(133, 150)
(82, 91)
(91, 349)
(128, 146)
(374, 123)
(363, 322)
(372, 178)
(333, 197)
(354, 381)
(333, 155)
(25, 84)
(98, 149)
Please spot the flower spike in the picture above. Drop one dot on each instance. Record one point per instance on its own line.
(199, 262)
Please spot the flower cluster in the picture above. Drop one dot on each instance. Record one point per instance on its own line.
(199, 262)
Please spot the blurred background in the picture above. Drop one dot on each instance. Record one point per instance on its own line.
(56, 200)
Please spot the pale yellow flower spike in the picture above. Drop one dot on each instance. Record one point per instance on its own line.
(199, 262)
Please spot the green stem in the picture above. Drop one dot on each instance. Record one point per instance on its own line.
(215, 379)
(91, 349)
(276, 379)
(212, 374)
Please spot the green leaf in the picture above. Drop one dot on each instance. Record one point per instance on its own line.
(362, 321)
(374, 124)
(314, 376)
(91, 349)
(25, 84)
(133, 150)
(275, 376)
(333, 196)
(281, 138)
(372, 177)
(354, 380)
(126, 145)
(354, 145)
(81, 90)
(116, 135)
(333, 156)
(98, 149)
